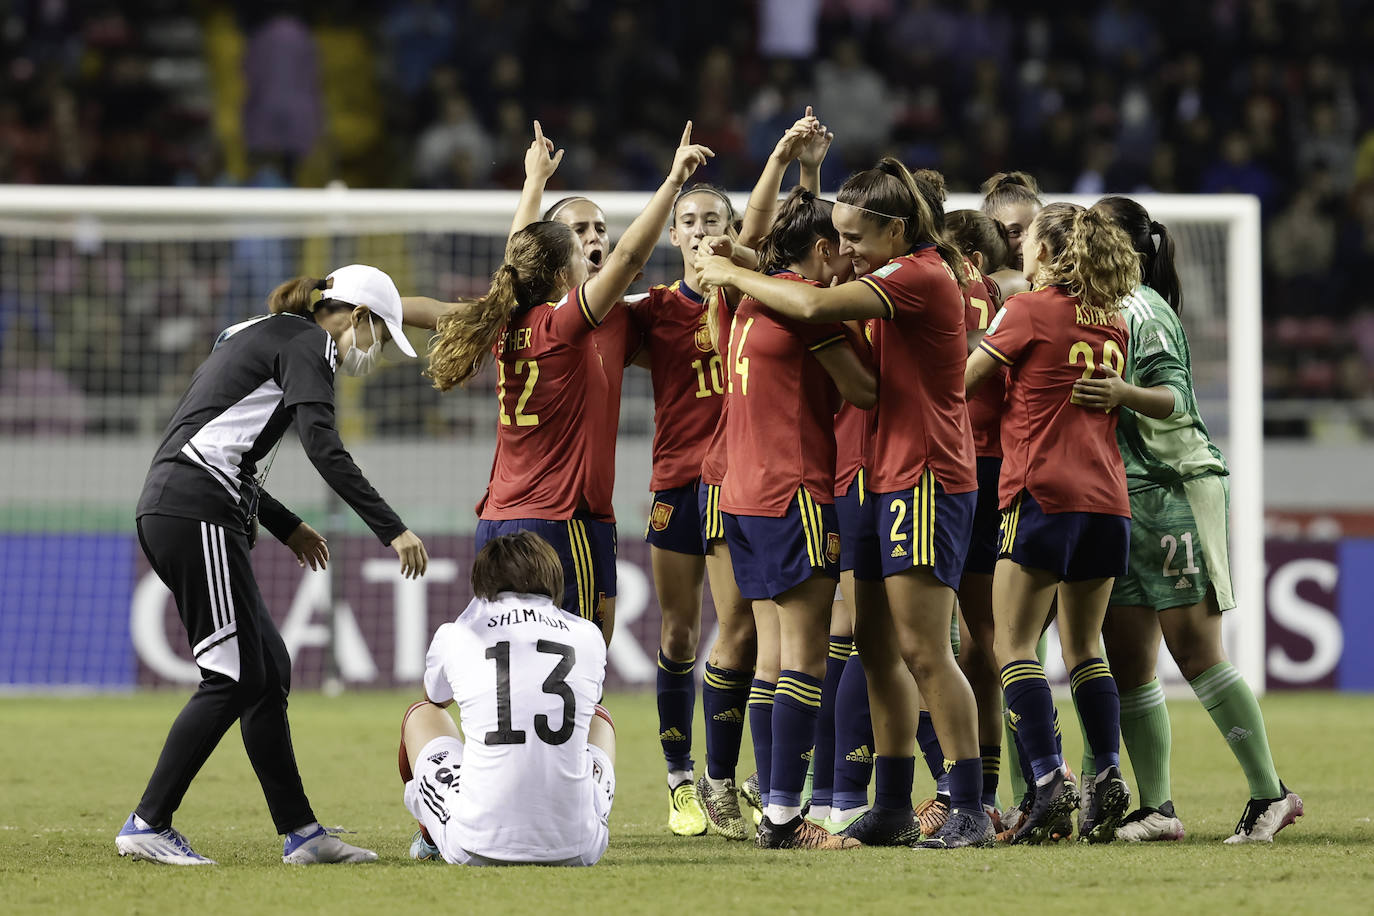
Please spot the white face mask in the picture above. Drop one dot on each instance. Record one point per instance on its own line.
(358, 361)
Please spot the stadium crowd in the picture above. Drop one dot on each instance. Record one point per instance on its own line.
(1260, 96)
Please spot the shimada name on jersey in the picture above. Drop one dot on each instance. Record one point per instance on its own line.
(525, 615)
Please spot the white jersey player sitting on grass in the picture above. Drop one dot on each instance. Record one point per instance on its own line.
(533, 780)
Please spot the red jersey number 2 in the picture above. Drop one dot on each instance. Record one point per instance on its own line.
(530, 369)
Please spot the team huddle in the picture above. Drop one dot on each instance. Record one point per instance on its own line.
(973, 423)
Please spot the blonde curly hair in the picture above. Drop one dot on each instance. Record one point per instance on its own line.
(1089, 256)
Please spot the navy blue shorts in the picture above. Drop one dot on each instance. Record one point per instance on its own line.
(708, 506)
(585, 547)
(1075, 546)
(920, 528)
(772, 555)
(987, 520)
(675, 521)
(848, 513)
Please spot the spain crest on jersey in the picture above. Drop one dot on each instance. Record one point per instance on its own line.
(832, 547)
(659, 517)
(703, 338)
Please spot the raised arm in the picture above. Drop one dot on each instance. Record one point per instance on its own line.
(540, 163)
(763, 201)
(801, 301)
(632, 252)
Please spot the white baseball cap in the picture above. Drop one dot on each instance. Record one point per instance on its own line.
(359, 284)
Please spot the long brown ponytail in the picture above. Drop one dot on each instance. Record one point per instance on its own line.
(887, 192)
(465, 337)
(1156, 257)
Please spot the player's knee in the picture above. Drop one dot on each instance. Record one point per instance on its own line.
(678, 639)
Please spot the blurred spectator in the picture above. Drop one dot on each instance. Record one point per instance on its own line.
(454, 152)
(282, 111)
(787, 28)
(1264, 97)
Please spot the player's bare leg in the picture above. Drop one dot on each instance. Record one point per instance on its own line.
(736, 645)
(922, 607)
(605, 615)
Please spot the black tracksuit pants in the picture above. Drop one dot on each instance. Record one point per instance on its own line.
(243, 661)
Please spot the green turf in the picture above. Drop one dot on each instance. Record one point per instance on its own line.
(73, 768)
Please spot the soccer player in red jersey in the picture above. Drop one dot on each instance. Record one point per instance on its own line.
(983, 241)
(729, 678)
(922, 482)
(689, 388)
(1066, 516)
(688, 384)
(617, 339)
(1013, 199)
(539, 318)
(777, 498)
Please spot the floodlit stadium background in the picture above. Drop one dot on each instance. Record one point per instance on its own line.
(103, 317)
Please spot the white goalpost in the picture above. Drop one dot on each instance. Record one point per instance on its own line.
(109, 298)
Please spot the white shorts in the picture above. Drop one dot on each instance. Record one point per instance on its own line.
(434, 790)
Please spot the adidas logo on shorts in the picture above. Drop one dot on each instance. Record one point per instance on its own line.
(1183, 583)
(438, 758)
(898, 552)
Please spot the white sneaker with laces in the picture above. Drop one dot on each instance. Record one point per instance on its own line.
(1265, 817)
(1147, 825)
(166, 846)
(318, 846)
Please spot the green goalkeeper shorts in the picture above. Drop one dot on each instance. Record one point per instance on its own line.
(1179, 545)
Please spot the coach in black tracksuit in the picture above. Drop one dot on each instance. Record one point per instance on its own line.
(196, 524)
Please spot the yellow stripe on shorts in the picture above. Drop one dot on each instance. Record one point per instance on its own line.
(582, 568)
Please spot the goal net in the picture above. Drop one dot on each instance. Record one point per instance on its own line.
(110, 298)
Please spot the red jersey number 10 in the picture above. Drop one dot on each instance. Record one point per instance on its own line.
(530, 368)
(709, 380)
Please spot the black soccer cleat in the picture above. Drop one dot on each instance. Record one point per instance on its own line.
(885, 827)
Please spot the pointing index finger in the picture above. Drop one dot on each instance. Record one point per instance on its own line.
(538, 133)
(686, 135)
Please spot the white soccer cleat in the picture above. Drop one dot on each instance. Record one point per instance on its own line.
(166, 846)
(1148, 825)
(320, 847)
(1265, 817)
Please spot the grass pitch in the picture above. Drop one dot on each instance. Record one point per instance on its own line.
(74, 767)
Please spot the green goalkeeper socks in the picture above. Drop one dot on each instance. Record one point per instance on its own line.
(1232, 706)
(1149, 739)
